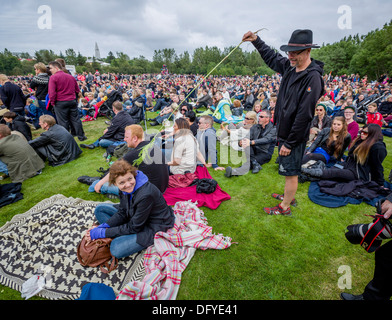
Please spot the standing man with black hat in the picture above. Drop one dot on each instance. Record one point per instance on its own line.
(301, 87)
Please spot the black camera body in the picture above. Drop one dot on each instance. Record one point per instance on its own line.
(371, 235)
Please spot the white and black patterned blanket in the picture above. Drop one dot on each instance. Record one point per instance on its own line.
(44, 241)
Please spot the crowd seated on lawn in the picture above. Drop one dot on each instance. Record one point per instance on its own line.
(184, 99)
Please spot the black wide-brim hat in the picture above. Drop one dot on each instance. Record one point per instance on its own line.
(300, 40)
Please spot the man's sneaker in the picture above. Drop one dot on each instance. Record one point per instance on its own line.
(277, 210)
(280, 197)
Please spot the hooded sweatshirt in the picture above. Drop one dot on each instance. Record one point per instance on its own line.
(297, 98)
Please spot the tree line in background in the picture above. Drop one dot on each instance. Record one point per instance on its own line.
(369, 55)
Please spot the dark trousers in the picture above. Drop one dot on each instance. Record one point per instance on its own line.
(380, 287)
(67, 115)
(339, 174)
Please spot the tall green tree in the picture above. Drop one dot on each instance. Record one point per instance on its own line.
(8, 62)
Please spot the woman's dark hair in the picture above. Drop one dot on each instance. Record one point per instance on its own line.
(191, 115)
(374, 134)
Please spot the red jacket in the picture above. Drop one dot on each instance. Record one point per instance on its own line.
(374, 118)
(62, 87)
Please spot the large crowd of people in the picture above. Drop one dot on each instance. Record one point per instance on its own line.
(194, 116)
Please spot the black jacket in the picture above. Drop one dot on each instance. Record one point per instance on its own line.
(144, 214)
(153, 166)
(12, 97)
(321, 141)
(372, 169)
(385, 107)
(262, 138)
(19, 124)
(116, 130)
(60, 146)
(296, 103)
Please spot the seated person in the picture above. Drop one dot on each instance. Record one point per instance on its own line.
(185, 149)
(256, 107)
(184, 103)
(142, 212)
(320, 121)
(248, 100)
(84, 107)
(18, 160)
(115, 132)
(258, 147)
(17, 123)
(206, 137)
(237, 109)
(338, 110)
(167, 111)
(330, 143)
(138, 102)
(192, 120)
(233, 133)
(373, 116)
(153, 166)
(352, 125)
(327, 101)
(221, 110)
(385, 108)
(364, 160)
(205, 100)
(55, 144)
(32, 113)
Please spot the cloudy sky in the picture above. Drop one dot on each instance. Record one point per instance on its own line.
(138, 27)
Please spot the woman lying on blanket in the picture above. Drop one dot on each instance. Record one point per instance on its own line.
(330, 143)
(142, 212)
(364, 161)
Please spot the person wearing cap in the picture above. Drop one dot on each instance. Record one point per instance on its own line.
(352, 125)
(301, 87)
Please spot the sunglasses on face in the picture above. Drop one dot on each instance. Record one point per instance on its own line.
(295, 53)
(365, 133)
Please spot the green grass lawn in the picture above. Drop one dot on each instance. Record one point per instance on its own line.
(273, 258)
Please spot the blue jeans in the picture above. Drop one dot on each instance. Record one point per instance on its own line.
(104, 143)
(160, 103)
(106, 188)
(3, 168)
(160, 119)
(122, 246)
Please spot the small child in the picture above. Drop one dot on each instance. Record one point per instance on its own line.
(373, 116)
(85, 107)
(32, 113)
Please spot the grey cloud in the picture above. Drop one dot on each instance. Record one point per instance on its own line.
(140, 27)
